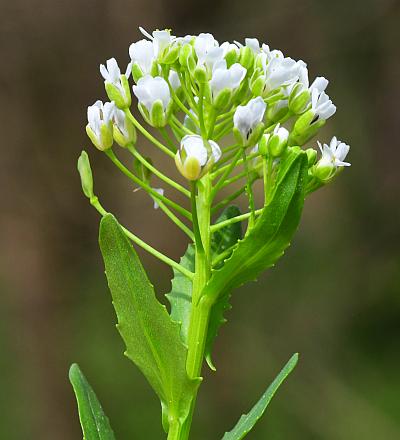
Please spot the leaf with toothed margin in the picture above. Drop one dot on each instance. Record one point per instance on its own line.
(266, 241)
(94, 423)
(180, 296)
(151, 337)
(247, 421)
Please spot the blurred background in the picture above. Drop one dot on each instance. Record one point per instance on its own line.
(334, 297)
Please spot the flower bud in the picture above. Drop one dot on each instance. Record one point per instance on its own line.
(186, 57)
(246, 57)
(332, 159)
(154, 99)
(311, 156)
(196, 156)
(116, 85)
(99, 127)
(299, 98)
(276, 112)
(278, 140)
(231, 57)
(305, 128)
(248, 121)
(124, 131)
(85, 173)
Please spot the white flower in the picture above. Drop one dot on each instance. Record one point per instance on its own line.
(203, 45)
(142, 54)
(119, 89)
(270, 54)
(224, 78)
(123, 130)
(321, 105)
(248, 116)
(112, 73)
(333, 155)
(99, 127)
(174, 80)
(229, 47)
(252, 43)
(194, 158)
(149, 90)
(280, 72)
(161, 39)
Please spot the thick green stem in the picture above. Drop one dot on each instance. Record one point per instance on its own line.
(201, 306)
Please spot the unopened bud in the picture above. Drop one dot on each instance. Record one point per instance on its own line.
(85, 173)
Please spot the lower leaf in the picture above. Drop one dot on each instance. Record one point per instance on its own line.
(95, 424)
(247, 421)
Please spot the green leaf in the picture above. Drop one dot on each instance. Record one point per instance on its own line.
(247, 421)
(265, 243)
(95, 424)
(152, 338)
(180, 296)
(272, 233)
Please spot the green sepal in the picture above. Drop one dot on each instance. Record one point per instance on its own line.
(276, 146)
(231, 58)
(136, 72)
(124, 140)
(85, 173)
(298, 99)
(157, 115)
(305, 129)
(246, 57)
(95, 424)
(200, 75)
(311, 156)
(247, 421)
(186, 57)
(171, 55)
(93, 137)
(152, 338)
(222, 100)
(106, 135)
(257, 85)
(275, 114)
(122, 99)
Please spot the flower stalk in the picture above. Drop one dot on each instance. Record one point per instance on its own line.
(199, 95)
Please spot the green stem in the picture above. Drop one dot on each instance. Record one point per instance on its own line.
(94, 201)
(167, 139)
(157, 173)
(232, 220)
(228, 169)
(146, 187)
(249, 191)
(201, 111)
(228, 199)
(201, 306)
(148, 135)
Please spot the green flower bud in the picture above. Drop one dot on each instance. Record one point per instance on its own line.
(117, 86)
(170, 55)
(246, 57)
(136, 72)
(311, 156)
(304, 128)
(299, 99)
(186, 57)
(120, 94)
(157, 114)
(124, 131)
(85, 173)
(200, 75)
(231, 57)
(222, 100)
(99, 128)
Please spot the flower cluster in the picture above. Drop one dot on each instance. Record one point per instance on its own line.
(197, 92)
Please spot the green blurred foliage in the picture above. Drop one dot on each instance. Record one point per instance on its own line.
(334, 297)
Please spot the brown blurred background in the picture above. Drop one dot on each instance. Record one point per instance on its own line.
(334, 297)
